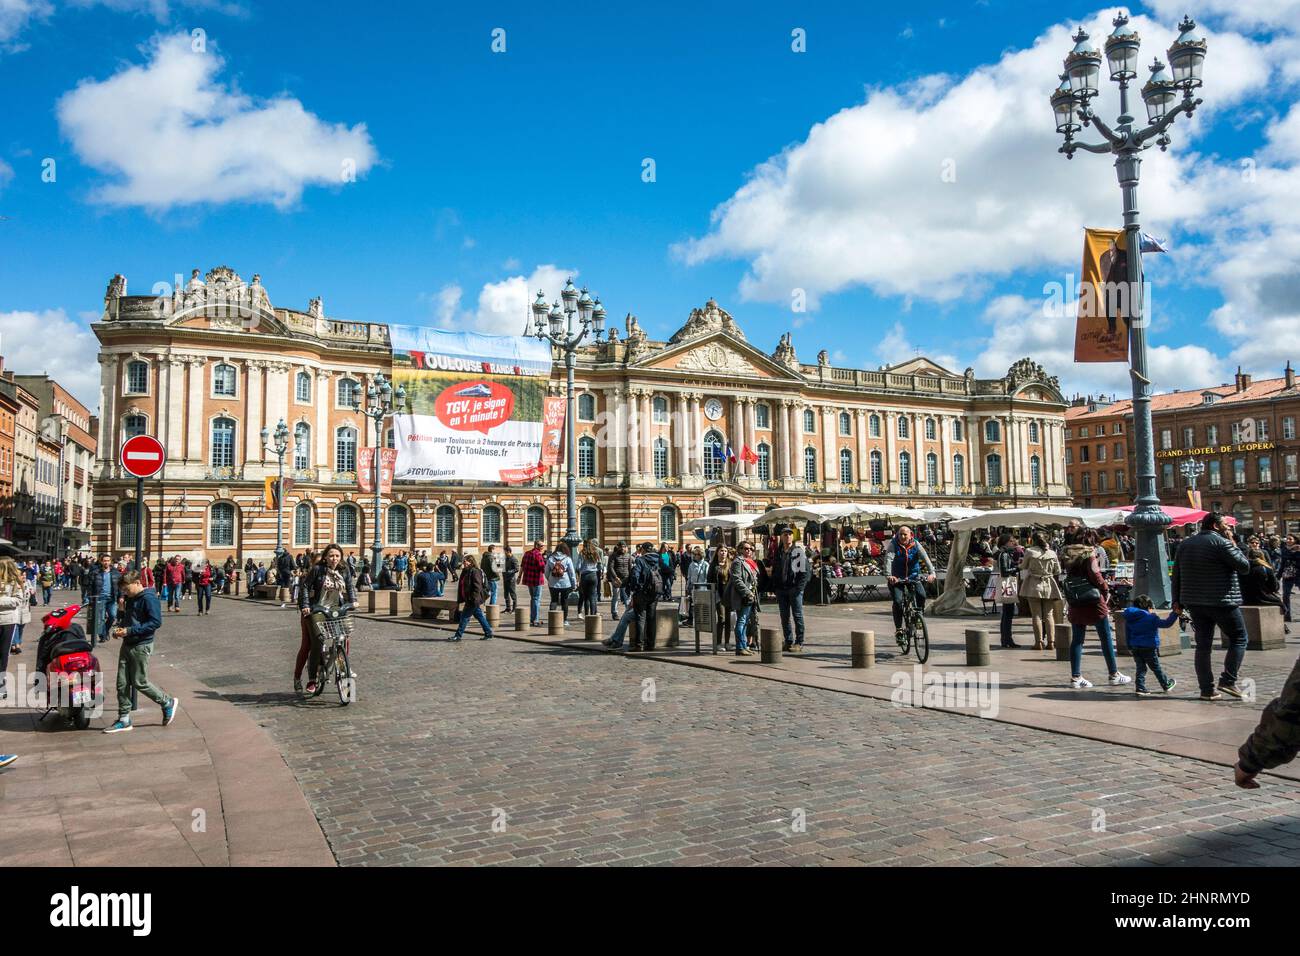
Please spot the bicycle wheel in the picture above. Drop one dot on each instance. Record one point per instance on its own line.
(907, 636)
(921, 638)
(343, 677)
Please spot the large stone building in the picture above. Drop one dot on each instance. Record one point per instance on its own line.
(67, 423)
(206, 368)
(1243, 433)
(23, 518)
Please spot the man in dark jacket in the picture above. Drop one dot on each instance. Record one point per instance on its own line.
(619, 570)
(473, 594)
(103, 583)
(644, 586)
(791, 571)
(509, 574)
(1205, 583)
(1277, 738)
(141, 621)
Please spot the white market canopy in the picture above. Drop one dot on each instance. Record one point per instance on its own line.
(950, 513)
(822, 513)
(737, 522)
(1026, 517)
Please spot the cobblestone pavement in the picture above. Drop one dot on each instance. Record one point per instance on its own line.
(576, 759)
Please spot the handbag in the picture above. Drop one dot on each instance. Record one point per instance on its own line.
(1080, 591)
(1008, 590)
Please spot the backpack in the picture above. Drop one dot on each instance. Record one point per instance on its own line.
(1080, 591)
(647, 583)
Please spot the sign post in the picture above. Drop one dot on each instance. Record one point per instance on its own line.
(143, 456)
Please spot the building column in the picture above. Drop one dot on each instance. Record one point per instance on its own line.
(751, 437)
(918, 450)
(194, 410)
(974, 470)
(277, 396)
(253, 412)
(945, 454)
(681, 434)
(780, 443)
(615, 432)
(862, 470)
(736, 423)
(175, 409)
(797, 440)
(697, 436)
(324, 399)
(646, 437)
(108, 386)
(890, 476)
(830, 445)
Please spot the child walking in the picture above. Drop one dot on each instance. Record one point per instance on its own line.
(1142, 627)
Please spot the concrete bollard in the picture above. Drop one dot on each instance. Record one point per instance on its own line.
(372, 602)
(521, 618)
(666, 626)
(977, 648)
(864, 648)
(591, 628)
(1063, 634)
(282, 595)
(769, 645)
(494, 615)
(555, 623)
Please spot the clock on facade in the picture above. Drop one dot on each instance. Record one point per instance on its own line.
(713, 409)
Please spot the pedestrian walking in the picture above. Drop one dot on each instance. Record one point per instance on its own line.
(1008, 592)
(588, 570)
(509, 574)
(205, 588)
(561, 578)
(472, 592)
(719, 574)
(1038, 585)
(175, 576)
(1288, 571)
(791, 572)
(1087, 595)
(742, 597)
(1142, 631)
(619, 569)
(13, 599)
(532, 574)
(103, 592)
(491, 568)
(140, 623)
(645, 585)
(668, 566)
(1206, 584)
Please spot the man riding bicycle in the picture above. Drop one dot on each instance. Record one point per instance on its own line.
(906, 556)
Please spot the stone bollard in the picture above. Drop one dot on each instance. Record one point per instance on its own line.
(494, 615)
(769, 645)
(282, 595)
(521, 618)
(591, 628)
(667, 632)
(555, 623)
(1063, 634)
(977, 648)
(864, 648)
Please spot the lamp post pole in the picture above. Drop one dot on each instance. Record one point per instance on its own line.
(381, 402)
(278, 443)
(557, 327)
(1070, 103)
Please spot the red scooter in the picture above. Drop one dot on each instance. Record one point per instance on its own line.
(71, 669)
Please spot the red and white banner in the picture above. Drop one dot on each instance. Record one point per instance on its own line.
(366, 470)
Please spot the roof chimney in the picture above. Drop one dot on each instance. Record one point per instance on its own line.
(1289, 373)
(1242, 380)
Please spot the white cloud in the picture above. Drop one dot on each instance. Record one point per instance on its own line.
(25, 339)
(446, 304)
(15, 15)
(1251, 15)
(172, 135)
(896, 347)
(6, 174)
(502, 308)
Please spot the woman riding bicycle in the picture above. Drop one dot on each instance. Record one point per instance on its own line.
(328, 586)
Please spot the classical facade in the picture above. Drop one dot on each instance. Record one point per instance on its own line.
(206, 368)
(68, 425)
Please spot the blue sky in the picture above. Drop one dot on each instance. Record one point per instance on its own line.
(778, 174)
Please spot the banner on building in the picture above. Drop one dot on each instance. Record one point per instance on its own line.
(477, 408)
(366, 470)
(1101, 332)
(272, 495)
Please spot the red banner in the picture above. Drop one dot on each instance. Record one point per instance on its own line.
(366, 470)
(552, 440)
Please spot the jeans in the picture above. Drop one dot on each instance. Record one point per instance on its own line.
(896, 592)
(103, 617)
(668, 587)
(475, 612)
(174, 596)
(1233, 625)
(439, 582)
(644, 617)
(1008, 615)
(133, 673)
(205, 597)
(508, 585)
(744, 617)
(560, 597)
(6, 639)
(492, 591)
(45, 593)
(790, 602)
(1287, 585)
(1107, 647)
(721, 623)
(18, 636)
(1144, 657)
(534, 604)
(617, 592)
(589, 595)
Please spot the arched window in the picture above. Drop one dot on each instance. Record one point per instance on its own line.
(877, 469)
(345, 524)
(1036, 473)
(809, 421)
(659, 410)
(223, 380)
(134, 425)
(846, 423)
(959, 471)
(1033, 432)
(302, 387)
(587, 408)
(223, 443)
(661, 458)
(956, 429)
(992, 431)
(846, 466)
(301, 446)
(399, 523)
(491, 530)
(904, 428)
(810, 464)
(932, 470)
(873, 425)
(586, 457)
(713, 450)
(905, 468)
(221, 525)
(137, 379)
(444, 525)
(667, 523)
(931, 430)
(345, 449)
(762, 416)
(126, 518)
(588, 523)
(993, 471)
(347, 392)
(302, 525)
(764, 461)
(536, 524)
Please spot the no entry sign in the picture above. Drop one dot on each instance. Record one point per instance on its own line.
(143, 456)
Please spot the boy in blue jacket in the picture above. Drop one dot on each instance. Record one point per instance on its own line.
(143, 618)
(1142, 627)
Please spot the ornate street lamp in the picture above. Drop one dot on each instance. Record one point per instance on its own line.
(381, 402)
(1191, 470)
(1127, 142)
(277, 444)
(557, 327)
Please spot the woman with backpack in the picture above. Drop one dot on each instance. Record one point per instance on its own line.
(560, 578)
(1086, 594)
(589, 574)
(472, 592)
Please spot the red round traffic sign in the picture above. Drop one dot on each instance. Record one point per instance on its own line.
(143, 456)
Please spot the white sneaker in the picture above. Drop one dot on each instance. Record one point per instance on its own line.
(1078, 683)
(1118, 678)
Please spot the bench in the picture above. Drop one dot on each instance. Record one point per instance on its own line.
(431, 607)
(266, 591)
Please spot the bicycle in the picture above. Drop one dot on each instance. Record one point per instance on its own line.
(915, 635)
(334, 628)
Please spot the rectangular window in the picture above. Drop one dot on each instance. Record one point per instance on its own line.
(137, 378)
(959, 471)
(1069, 456)
(1216, 474)
(1211, 434)
(1167, 476)
(1083, 431)
(1239, 472)
(1101, 452)
(1119, 481)
(1119, 451)
(1189, 437)
(1083, 453)
(1166, 439)
(303, 393)
(1117, 428)
(1086, 483)
(764, 463)
(1289, 465)
(761, 417)
(1101, 482)
(1261, 429)
(536, 524)
(1288, 427)
(1236, 432)
(1265, 469)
